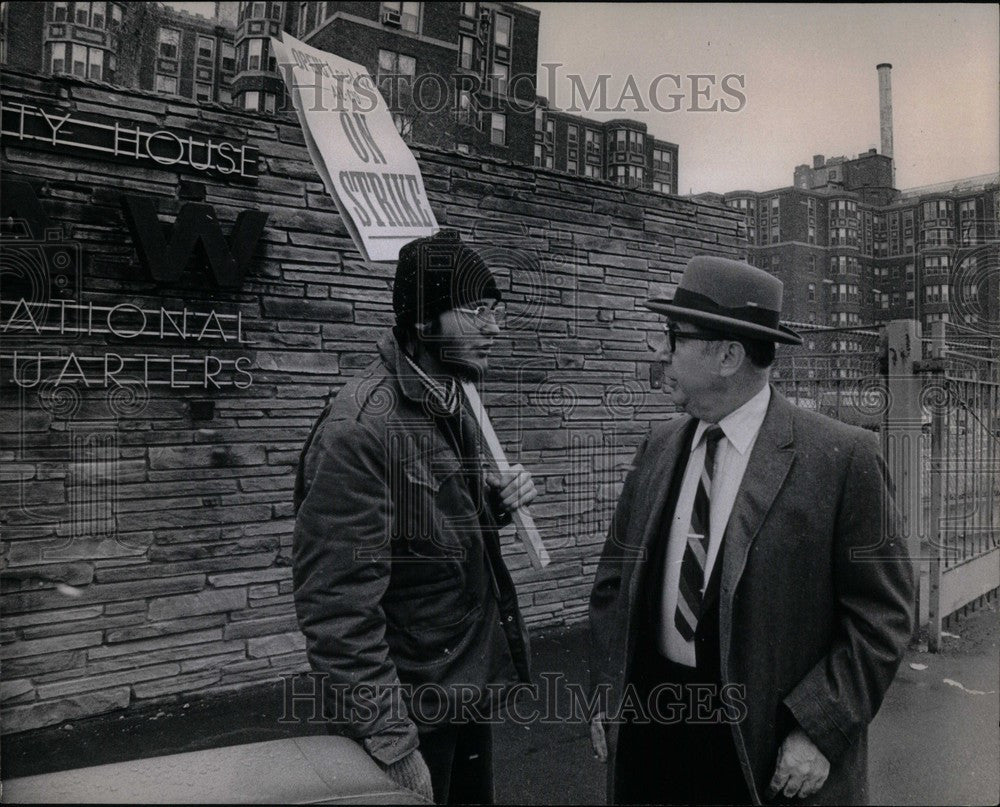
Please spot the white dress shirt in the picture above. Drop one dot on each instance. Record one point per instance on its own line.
(740, 428)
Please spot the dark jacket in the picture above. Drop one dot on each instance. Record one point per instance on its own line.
(815, 590)
(397, 567)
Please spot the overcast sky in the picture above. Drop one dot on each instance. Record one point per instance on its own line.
(810, 82)
(811, 85)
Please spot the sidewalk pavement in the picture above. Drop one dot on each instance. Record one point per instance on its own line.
(935, 741)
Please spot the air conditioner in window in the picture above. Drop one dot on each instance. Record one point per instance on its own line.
(391, 17)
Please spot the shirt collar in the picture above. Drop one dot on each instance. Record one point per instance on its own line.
(741, 425)
(444, 394)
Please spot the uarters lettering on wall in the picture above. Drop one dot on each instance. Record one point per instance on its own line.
(364, 163)
(121, 140)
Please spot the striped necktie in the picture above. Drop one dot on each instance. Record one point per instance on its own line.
(692, 579)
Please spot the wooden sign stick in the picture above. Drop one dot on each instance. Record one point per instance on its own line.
(525, 524)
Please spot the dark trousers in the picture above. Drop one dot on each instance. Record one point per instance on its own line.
(677, 762)
(460, 758)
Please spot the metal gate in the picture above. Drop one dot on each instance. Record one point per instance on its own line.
(936, 404)
(962, 385)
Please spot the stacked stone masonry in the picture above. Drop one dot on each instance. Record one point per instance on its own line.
(146, 553)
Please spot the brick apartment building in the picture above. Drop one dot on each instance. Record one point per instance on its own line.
(847, 261)
(619, 150)
(147, 46)
(853, 250)
(456, 75)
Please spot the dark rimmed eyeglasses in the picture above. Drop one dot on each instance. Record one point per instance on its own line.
(670, 329)
(485, 314)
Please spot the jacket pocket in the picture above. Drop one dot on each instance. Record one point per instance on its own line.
(426, 644)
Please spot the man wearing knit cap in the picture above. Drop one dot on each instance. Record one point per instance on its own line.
(400, 588)
(752, 596)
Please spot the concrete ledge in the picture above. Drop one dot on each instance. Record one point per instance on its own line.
(300, 770)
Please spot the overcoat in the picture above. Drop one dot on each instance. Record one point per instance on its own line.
(400, 587)
(814, 598)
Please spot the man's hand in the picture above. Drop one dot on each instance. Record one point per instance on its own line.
(411, 772)
(599, 737)
(515, 487)
(801, 770)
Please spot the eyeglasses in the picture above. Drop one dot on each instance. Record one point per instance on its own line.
(673, 335)
(485, 314)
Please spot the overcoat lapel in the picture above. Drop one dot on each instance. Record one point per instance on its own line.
(770, 462)
(653, 493)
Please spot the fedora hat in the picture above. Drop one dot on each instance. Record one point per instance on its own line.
(730, 297)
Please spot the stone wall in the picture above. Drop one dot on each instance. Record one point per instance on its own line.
(147, 526)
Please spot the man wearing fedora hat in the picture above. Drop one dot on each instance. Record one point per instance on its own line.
(409, 613)
(752, 601)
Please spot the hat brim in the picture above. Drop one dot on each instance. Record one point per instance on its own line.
(724, 324)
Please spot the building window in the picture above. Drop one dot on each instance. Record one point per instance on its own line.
(538, 154)
(592, 171)
(203, 92)
(939, 209)
(269, 99)
(463, 148)
(225, 96)
(396, 72)
(406, 15)
(251, 99)
(82, 13)
(228, 57)
(466, 53)
(500, 76)
(255, 54)
(166, 84)
(812, 292)
(498, 129)
(303, 10)
(465, 106)
(57, 57)
(571, 166)
(79, 61)
(501, 30)
(60, 12)
(548, 161)
(636, 142)
(169, 43)
(592, 140)
(539, 119)
(206, 49)
(98, 14)
(95, 63)
(469, 10)
(257, 12)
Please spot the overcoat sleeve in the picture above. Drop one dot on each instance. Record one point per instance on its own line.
(341, 572)
(606, 594)
(873, 584)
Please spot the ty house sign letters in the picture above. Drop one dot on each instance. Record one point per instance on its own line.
(106, 137)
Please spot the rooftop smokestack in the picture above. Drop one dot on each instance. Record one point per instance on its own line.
(885, 106)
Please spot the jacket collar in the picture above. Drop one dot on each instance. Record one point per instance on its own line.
(410, 384)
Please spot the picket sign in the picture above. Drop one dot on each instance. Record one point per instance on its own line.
(366, 166)
(525, 524)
